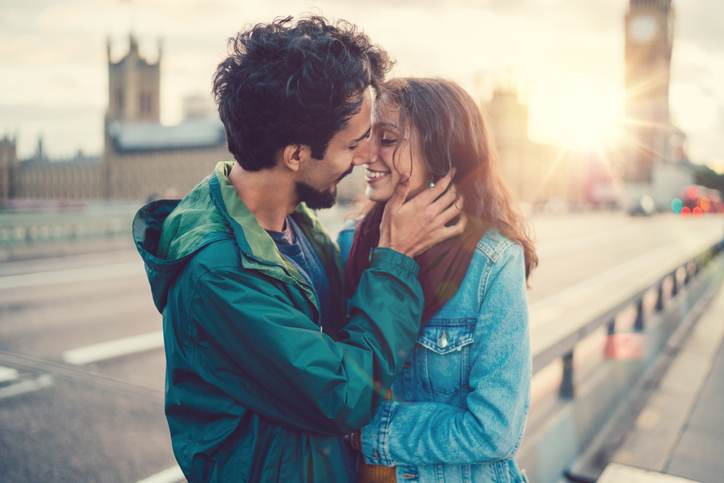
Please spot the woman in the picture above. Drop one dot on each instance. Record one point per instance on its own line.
(458, 409)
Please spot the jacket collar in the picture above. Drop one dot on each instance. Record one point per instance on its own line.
(258, 250)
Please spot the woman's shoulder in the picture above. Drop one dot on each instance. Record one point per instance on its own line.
(498, 261)
(496, 247)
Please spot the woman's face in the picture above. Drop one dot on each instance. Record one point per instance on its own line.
(394, 154)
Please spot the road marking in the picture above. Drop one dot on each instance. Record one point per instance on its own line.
(26, 386)
(85, 274)
(548, 248)
(552, 305)
(7, 374)
(169, 475)
(114, 348)
(67, 262)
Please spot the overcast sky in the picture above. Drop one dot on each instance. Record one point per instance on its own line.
(565, 55)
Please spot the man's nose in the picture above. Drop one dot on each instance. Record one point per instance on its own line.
(362, 153)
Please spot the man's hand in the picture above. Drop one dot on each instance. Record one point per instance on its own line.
(412, 226)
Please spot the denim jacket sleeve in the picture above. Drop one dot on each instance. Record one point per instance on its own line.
(490, 428)
(345, 237)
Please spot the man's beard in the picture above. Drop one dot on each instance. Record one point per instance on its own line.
(317, 200)
(314, 198)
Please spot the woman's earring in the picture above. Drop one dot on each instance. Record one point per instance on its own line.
(431, 184)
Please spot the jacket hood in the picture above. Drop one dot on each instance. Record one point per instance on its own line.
(168, 232)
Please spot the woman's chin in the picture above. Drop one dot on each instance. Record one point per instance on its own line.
(376, 194)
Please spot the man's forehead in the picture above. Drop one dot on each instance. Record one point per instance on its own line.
(365, 112)
(360, 122)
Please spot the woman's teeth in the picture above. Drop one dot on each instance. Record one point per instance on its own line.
(370, 174)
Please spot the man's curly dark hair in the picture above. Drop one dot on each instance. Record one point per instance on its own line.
(293, 83)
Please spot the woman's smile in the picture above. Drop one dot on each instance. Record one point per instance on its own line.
(373, 176)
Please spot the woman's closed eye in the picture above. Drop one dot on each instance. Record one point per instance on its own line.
(388, 141)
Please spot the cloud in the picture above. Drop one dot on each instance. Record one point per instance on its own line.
(54, 52)
(701, 23)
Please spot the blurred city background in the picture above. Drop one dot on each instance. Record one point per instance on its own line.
(609, 119)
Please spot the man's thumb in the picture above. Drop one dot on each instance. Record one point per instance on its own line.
(401, 191)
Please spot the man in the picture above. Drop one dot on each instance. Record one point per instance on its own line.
(265, 370)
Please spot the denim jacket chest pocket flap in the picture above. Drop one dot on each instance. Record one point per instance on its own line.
(443, 336)
(443, 359)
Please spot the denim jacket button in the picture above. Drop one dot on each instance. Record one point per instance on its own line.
(442, 340)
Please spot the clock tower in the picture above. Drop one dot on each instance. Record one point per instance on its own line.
(649, 36)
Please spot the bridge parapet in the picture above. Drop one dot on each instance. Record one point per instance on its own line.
(599, 340)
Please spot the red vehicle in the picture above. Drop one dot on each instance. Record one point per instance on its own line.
(700, 199)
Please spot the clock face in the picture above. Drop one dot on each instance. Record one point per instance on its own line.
(643, 28)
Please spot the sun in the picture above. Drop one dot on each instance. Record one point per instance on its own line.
(578, 114)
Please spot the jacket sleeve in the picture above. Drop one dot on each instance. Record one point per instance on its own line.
(490, 428)
(284, 368)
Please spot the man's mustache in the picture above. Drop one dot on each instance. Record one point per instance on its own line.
(345, 173)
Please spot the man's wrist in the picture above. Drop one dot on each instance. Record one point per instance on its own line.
(394, 261)
(397, 249)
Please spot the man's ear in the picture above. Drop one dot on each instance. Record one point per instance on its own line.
(294, 155)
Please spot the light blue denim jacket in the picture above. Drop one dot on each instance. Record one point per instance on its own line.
(460, 403)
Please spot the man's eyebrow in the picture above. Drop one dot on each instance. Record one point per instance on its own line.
(366, 133)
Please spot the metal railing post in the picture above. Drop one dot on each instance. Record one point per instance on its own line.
(567, 390)
(660, 297)
(639, 323)
(609, 350)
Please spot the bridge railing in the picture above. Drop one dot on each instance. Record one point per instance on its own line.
(17, 228)
(596, 341)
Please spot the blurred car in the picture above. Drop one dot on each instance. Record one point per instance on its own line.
(642, 206)
(697, 199)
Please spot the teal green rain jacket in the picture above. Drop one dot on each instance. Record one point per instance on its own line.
(256, 390)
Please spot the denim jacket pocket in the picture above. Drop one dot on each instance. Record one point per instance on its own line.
(444, 359)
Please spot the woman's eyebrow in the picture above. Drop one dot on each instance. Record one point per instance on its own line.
(386, 125)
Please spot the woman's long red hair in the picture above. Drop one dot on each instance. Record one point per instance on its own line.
(452, 133)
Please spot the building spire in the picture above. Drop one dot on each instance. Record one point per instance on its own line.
(160, 50)
(133, 43)
(109, 46)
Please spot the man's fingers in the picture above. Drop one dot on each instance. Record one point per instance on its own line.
(442, 233)
(431, 194)
(459, 227)
(400, 194)
(448, 214)
(444, 201)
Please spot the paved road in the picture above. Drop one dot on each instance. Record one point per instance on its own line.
(81, 366)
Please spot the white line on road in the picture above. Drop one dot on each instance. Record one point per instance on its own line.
(114, 348)
(85, 274)
(27, 386)
(7, 374)
(170, 475)
(549, 248)
(630, 270)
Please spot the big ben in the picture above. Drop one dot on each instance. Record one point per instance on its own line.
(649, 36)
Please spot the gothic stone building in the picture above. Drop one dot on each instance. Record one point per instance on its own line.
(141, 157)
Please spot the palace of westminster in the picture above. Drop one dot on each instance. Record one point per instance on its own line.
(142, 158)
